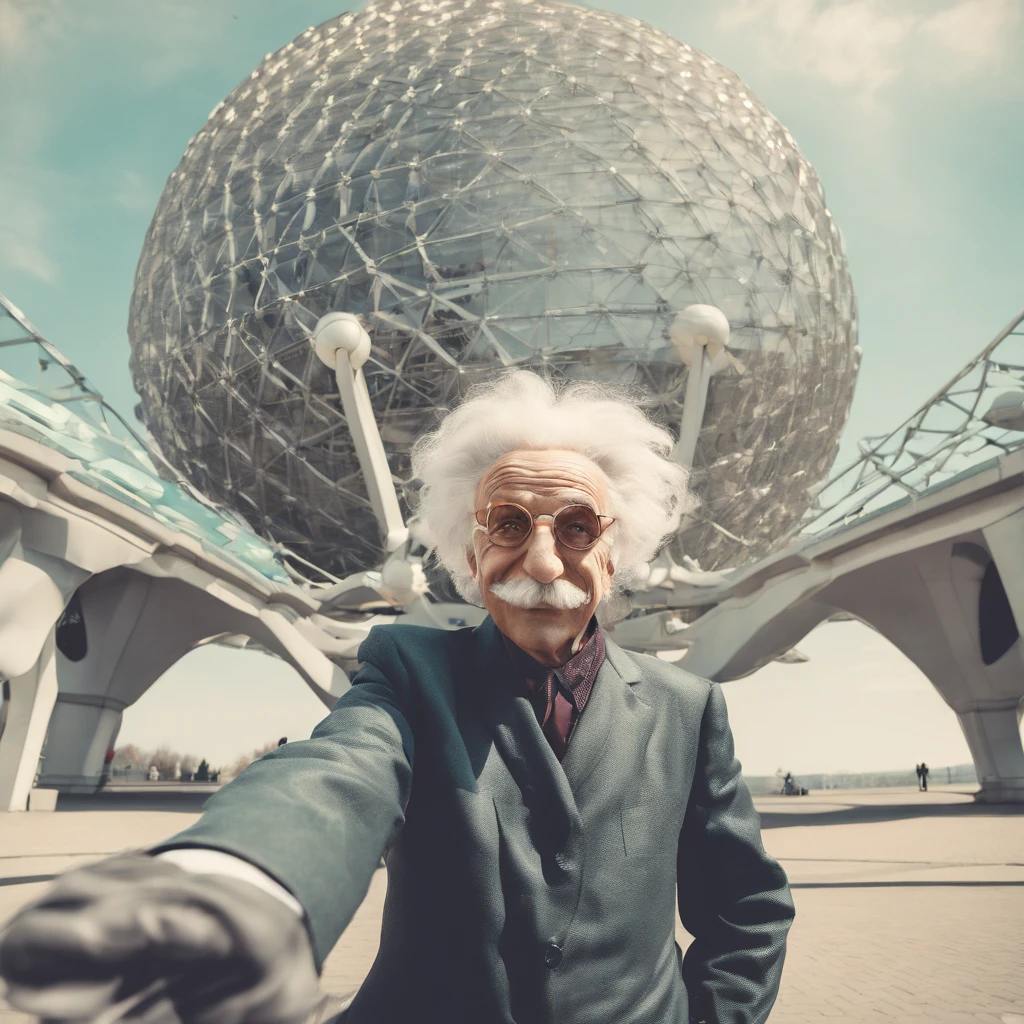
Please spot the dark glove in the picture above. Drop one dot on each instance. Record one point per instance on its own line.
(215, 949)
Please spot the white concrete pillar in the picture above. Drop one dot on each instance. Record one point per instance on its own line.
(82, 730)
(993, 729)
(101, 676)
(33, 695)
(33, 592)
(993, 734)
(1005, 542)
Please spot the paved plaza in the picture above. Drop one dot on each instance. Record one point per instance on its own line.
(910, 906)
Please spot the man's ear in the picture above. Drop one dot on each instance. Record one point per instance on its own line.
(471, 558)
(609, 572)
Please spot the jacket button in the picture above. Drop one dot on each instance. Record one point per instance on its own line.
(552, 955)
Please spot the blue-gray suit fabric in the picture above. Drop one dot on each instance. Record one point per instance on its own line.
(520, 889)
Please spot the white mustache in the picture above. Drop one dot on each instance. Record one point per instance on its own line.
(524, 592)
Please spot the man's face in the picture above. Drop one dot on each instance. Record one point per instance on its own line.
(542, 482)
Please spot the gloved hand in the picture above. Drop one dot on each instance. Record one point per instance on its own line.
(217, 950)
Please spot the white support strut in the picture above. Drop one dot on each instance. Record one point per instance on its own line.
(342, 344)
(700, 335)
(694, 403)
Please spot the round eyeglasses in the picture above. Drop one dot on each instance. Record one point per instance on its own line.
(577, 527)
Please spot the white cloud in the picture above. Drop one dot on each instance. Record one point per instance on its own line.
(133, 192)
(26, 185)
(22, 22)
(168, 36)
(868, 43)
(12, 25)
(975, 30)
(23, 233)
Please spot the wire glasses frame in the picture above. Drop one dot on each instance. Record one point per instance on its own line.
(577, 527)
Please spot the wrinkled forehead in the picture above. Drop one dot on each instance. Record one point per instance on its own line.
(548, 476)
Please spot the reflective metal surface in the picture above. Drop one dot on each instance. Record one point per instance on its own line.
(45, 398)
(488, 183)
(960, 431)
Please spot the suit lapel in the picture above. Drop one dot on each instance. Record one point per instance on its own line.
(509, 717)
(554, 827)
(614, 727)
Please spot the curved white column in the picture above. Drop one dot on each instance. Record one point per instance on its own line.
(28, 715)
(993, 735)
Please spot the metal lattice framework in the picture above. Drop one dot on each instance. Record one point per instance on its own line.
(959, 431)
(67, 413)
(27, 355)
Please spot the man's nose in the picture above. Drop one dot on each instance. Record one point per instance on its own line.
(542, 562)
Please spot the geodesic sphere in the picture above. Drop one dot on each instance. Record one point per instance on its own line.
(488, 183)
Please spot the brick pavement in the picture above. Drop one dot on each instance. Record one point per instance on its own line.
(910, 907)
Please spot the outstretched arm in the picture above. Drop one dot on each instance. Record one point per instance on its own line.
(313, 817)
(317, 814)
(733, 898)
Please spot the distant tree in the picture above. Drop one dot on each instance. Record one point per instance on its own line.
(130, 756)
(203, 772)
(247, 759)
(164, 757)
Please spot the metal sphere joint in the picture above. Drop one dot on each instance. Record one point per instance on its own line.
(700, 325)
(336, 331)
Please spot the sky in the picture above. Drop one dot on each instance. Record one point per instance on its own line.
(912, 112)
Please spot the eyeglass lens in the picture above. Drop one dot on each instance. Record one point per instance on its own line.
(576, 526)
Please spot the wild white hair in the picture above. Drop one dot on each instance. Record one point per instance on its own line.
(521, 411)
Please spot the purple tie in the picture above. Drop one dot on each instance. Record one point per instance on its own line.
(557, 719)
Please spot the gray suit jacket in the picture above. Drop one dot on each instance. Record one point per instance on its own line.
(520, 889)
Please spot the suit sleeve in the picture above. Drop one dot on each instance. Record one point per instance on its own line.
(733, 898)
(317, 814)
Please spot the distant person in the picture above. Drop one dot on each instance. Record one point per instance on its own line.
(924, 777)
(787, 784)
(917, 768)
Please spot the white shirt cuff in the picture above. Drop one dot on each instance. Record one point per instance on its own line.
(205, 861)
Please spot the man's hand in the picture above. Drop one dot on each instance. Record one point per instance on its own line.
(217, 950)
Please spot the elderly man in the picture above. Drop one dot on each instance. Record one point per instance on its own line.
(539, 794)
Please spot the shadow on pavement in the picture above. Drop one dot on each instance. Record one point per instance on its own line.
(144, 799)
(940, 884)
(189, 800)
(861, 813)
(25, 879)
